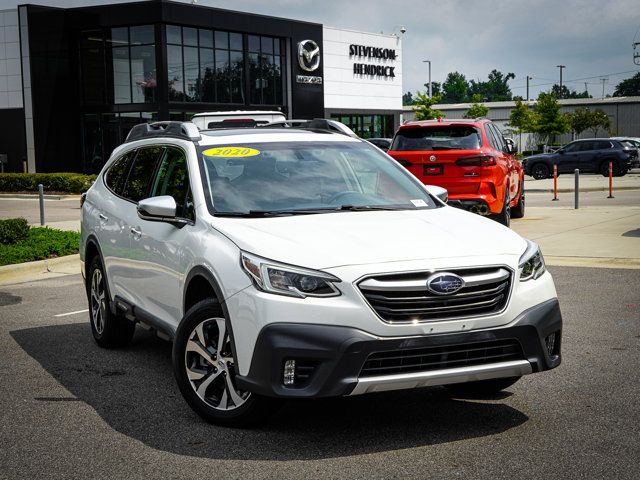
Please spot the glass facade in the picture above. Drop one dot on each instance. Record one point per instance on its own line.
(367, 126)
(119, 83)
(265, 70)
(118, 65)
(205, 66)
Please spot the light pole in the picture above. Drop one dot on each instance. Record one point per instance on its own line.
(561, 67)
(429, 62)
(528, 78)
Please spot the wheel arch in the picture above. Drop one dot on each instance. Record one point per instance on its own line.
(199, 285)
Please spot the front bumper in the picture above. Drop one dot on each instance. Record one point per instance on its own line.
(335, 356)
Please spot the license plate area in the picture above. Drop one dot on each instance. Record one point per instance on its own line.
(432, 170)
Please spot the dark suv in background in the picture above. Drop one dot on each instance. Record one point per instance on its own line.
(589, 155)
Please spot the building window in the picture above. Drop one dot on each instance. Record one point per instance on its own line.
(118, 65)
(368, 126)
(265, 70)
(204, 66)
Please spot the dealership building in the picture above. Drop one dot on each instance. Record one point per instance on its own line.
(73, 81)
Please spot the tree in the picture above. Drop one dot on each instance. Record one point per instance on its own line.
(477, 109)
(423, 107)
(599, 119)
(520, 119)
(580, 120)
(407, 99)
(436, 88)
(455, 88)
(495, 89)
(564, 92)
(547, 121)
(628, 87)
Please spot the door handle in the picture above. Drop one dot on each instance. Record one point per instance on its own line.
(103, 217)
(135, 232)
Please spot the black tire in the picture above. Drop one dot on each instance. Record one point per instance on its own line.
(482, 387)
(213, 375)
(518, 210)
(504, 217)
(540, 171)
(604, 169)
(109, 330)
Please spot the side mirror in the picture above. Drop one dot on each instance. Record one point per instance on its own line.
(561, 152)
(439, 192)
(158, 209)
(510, 146)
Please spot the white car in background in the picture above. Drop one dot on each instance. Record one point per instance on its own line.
(293, 263)
(235, 119)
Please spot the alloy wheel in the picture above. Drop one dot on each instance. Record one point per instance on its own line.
(210, 365)
(98, 301)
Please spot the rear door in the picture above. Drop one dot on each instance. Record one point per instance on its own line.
(112, 228)
(504, 160)
(602, 151)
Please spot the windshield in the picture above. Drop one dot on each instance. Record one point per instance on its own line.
(454, 137)
(305, 177)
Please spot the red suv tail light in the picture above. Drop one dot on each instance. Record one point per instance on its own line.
(477, 161)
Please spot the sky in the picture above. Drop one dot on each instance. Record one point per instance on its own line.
(527, 37)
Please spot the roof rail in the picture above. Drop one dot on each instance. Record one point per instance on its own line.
(184, 130)
(320, 125)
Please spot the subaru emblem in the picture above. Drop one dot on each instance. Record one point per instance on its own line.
(432, 158)
(444, 283)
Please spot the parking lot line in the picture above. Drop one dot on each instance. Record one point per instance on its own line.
(71, 313)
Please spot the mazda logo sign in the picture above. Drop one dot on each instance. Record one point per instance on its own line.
(444, 283)
(308, 55)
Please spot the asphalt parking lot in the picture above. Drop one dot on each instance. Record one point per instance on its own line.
(72, 410)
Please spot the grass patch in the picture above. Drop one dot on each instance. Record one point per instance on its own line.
(41, 243)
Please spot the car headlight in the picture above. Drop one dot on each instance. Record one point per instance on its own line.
(274, 277)
(531, 264)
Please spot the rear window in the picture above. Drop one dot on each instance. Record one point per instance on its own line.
(437, 138)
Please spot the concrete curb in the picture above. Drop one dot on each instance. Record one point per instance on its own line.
(571, 190)
(34, 196)
(593, 262)
(40, 269)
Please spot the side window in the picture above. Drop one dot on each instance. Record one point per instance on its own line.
(117, 173)
(173, 179)
(137, 187)
(602, 145)
(573, 147)
(491, 135)
(499, 137)
(584, 147)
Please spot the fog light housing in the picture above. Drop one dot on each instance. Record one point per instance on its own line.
(551, 341)
(289, 374)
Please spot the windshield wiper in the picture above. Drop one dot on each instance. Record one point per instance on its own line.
(364, 208)
(442, 147)
(271, 213)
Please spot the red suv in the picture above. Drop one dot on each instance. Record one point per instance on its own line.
(470, 158)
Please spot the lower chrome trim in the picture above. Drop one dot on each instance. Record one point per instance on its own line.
(403, 381)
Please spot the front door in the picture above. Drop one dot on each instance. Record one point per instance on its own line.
(160, 246)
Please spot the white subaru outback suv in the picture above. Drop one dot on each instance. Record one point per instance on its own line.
(289, 263)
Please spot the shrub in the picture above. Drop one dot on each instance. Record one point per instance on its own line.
(41, 243)
(53, 182)
(13, 230)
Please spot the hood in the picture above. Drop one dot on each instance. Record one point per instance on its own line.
(355, 238)
(541, 156)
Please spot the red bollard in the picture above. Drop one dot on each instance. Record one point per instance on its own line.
(555, 183)
(610, 180)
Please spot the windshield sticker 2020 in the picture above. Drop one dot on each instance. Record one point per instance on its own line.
(234, 152)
